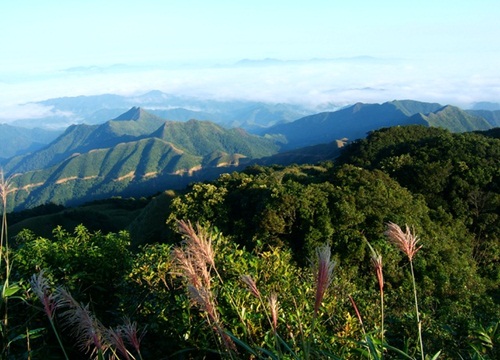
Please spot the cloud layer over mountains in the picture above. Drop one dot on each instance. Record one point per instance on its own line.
(311, 83)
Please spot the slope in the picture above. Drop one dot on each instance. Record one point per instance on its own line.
(82, 138)
(454, 119)
(352, 122)
(202, 137)
(72, 140)
(102, 173)
(123, 157)
(17, 140)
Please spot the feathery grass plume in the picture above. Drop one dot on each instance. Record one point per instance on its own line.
(198, 240)
(324, 275)
(5, 189)
(204, 300)
(6, 289)
(272, 300)
(194, 260)
(274, 306)
(41, 288)
(376, 259)
(86, 328)
(134, 338)
(405, 241)
(252, 286)
(115, 337)
(197, 253)
(358, 314)
(187, 267)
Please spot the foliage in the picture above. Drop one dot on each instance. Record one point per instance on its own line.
(90, 265)
(110, 215)
(458, 174)
(265, 225)
(298, 208)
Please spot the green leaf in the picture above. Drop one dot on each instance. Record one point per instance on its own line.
(287, 347)
(372, 347)
(32, 334)
(10, 290)
(242, 344)
(436, 355)
(400, 352)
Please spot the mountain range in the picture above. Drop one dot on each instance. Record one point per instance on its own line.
(17, 140)
(255, 117)
(136, 150)
(139, 153)
(97, 109)
(356, 121)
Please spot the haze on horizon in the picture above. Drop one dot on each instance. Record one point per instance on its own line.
(438, 51)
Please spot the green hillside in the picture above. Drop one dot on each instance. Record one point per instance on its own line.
(136, 153)
(135, 122)
(454, 119)
(493, 116)
(17, 140)
(102, 173)
(83, 138)
(73, 140)
(201, 137)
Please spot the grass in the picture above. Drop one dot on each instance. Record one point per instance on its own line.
(90, 335)
(247, 318)
(407, 241)
(195, 261)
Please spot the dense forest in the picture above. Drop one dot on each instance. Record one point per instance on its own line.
(389, 251)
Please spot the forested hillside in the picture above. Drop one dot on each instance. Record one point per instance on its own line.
(16, 140)
(258, 235)
(135, 154)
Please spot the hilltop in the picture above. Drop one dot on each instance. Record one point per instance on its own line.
(135, 153)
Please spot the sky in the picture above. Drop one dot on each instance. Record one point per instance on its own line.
(428, 50)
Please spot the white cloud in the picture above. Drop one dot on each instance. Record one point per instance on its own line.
(30, 111)
(308, 83)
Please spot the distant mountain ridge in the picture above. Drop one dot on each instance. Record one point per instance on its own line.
(97, 109)
(354, 122)
(454, 119)
(486, 105)
(253, 116)
(492, 116)
(15, 140)
(125, 156)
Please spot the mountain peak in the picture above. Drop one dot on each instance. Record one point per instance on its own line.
(135, 113)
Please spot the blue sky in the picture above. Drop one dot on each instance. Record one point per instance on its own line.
(439, 50)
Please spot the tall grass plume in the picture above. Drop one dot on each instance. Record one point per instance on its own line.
(323, 275)
(195, 260)
(407, 241)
